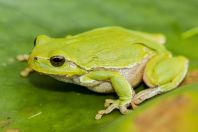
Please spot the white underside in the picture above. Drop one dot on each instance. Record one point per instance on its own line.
(133, 75)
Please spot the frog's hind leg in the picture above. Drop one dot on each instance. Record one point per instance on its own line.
(162, 73)
(27, 70)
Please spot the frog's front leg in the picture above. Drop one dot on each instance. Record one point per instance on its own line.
(121, 87)
(163, 73)
(25, 72)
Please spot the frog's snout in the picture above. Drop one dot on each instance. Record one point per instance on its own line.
(32, 59)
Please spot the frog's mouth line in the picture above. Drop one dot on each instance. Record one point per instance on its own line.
(43, 66)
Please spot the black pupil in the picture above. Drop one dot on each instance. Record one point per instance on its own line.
(57, 60)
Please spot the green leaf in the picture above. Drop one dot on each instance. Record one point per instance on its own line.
(170, 112)
(40, 103)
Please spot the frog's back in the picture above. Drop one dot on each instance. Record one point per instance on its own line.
(111, 47)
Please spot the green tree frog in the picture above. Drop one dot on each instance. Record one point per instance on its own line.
(110, 59)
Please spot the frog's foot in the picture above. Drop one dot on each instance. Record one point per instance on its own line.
(26, 72)
(23, 57)
(111, 105)
(110, 101)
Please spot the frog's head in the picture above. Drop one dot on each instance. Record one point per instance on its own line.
(47, 58)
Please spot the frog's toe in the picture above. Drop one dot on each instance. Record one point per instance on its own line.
(136, 100)
(26, 72)
(111, 105)
(134, 104)
(23, 57)
(123, 109)
(108, 102)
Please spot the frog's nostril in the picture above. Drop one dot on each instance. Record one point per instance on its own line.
(35, 58)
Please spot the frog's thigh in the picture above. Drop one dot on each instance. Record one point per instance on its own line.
(163, 75)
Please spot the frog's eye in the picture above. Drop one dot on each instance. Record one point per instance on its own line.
(57, 60)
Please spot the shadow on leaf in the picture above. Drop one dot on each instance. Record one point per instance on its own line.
(48, 83)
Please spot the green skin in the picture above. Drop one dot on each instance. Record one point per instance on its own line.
(112, 59)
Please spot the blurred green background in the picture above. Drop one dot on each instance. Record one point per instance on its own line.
(41, 104)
